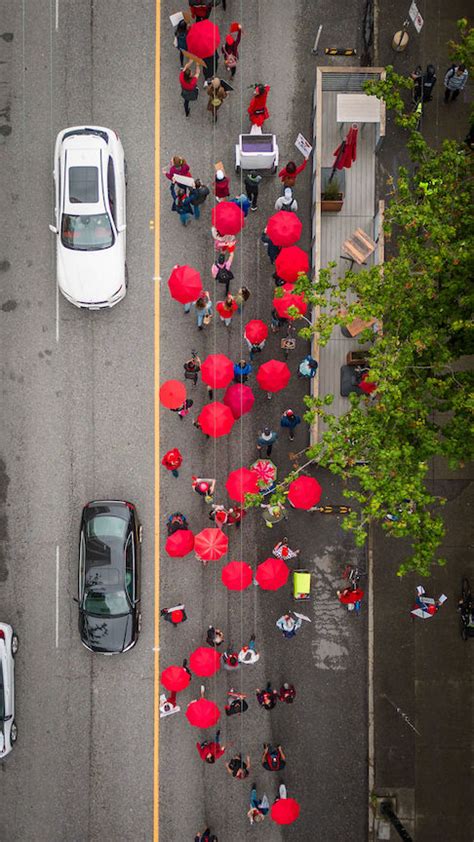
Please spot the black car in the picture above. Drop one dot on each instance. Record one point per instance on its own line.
(109, 576)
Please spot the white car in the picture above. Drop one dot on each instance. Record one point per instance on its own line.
(90, 190)
(8, 650)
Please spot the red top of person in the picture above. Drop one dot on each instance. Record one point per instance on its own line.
(221, 187)
(285, 174)
(225, 310)
(211, 748)
(187, 86)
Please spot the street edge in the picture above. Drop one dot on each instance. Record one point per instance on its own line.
(370, 683)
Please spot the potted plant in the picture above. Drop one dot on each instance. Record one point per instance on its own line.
(332, 191)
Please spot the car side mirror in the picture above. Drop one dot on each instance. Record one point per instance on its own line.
(121, 228)
(53, 229)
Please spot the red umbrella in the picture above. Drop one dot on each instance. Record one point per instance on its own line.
(273, 376)
(272, 574)
(217, 371)
(175, 678)
(203, 39)
(172, 394)
(241, 482)
(346, 152)
(256, 331)
(287, 300)
(228, 218)
(185, 284)
(180, 543)
(284, 229)
(211, 544)
(205, 661)
(304, 492)
(216, 419)
(285, 811)
(239, 398)
(237, 575)
(290, 262)
(366, 385)
(202, 713)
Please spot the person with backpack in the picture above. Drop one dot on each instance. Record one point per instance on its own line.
(230, 50)
(286, 202)
(217, 94)
(266, 439)
(197, 196)
(273, 759)
(242, 371)
(182, 206)
(259, 807)
(251, 182)
(238, 768)
(237, 704)
(455, 81)
(221, 270)
(188, 81)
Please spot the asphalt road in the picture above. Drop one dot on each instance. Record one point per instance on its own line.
(77, 424)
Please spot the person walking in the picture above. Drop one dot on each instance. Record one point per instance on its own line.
(214, 637)
(283, 550)
(230, 659)
(273, 513)
(185, 408)
(172, 460)
(243, 203)
(180, 36)
(308, 367)
(221, 185)
(203, 310)
(209, 68)
(290, 421)
(238, 768)
(266, 439)
(178, 166)
(174, 615)
(206, 836)
(182, 206)
(286, 202)
(273, 758)
(227, 309)
(258, 807)
(223, 243)
(210, 751)
(455, 82)
(218, 514)
(242, 370)
(188, 81)
(248, 654)
(241, 297)
(257, 110)
(197, 196)
(221, 270)
(235, 515)
(237, 704)
(192, 367)
(175, 522)
(200, 9)
(287, 693)
(268, 697)
(289, 625)
(290, 173)
(230, 50)
(272, 250)
(251, 181)
(216, 94)
(205, 487)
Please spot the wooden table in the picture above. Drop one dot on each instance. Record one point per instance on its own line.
(359, 246)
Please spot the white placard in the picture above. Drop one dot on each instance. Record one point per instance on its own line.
(416, 17)
(304, 147)
(175, 19)
(185, 180)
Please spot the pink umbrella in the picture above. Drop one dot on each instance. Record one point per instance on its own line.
(272, 574)
(228, 218)
(205, 661)
(256, 331)
(289, 299)
(202, 713)
(172, 394)
(237, 575)
(273, 376)
(216, 419)
(180, 543)
(284, 228)
(290, 263)
(211, 544)
(304, 493)
(203, 39)
(241, 482)
(217, 371)
(185, 284)
(239, 398)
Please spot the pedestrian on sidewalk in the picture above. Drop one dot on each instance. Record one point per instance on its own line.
(180, 36)
(268, 697)
(242, 371)
(221, 270)
(230, 659)
(227, 309)
(178, 166)
(184, 409)
(192, 367)
(203, 310)
(188, 81)
(235, 515)
(286, 202)
(217, 94)
(258, 807)
(308, 367)
(210, 751)
(230, 49)
(175, 615)
(215, 637)
(351, 598)
(287, 693)
(243, 203)
(455, 81)
(223, 243)
(248, 654)
(289, 625)
(425, 606)
(182, 206)
(273, 513)
(273, 758)
(241, 297)
(219, 515)
(204, 486)
(290, 173)
(172, 460)
(200, 9)
(206, 836)
(251, 181)
(257, 110)
(221, 185)
(197, 196)
(238, 768)
(283, 550)
(237, 704)
(272, 250)
(267, 438)
(209, 68)
(290, 421)
(175, 522)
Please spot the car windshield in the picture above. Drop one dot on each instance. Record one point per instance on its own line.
(107, 526)
(106, 603)
(86, 233)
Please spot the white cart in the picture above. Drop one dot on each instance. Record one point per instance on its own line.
(257, 151)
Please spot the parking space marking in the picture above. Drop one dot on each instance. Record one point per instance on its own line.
(56, 16)
(57, 596)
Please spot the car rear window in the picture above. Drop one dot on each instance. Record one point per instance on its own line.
(83, 185)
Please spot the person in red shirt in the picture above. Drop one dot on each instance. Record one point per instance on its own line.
(172, 460)
(257, 110)
(227, 309)
(211, 751)
(200, 9)
(230, 51)
(236, 515)
(188, 81)
(221, 185)
(289, 173)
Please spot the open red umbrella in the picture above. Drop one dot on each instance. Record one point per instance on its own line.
(285, 811)
(180, 543)
(304, 492)
(217, 371)
(237, 575)
(241, 482)
(205, 661)
(202, 713)
(211, 544)
(216, 419)
(256, 331)
(175, 678)
(172, 394)
(284, 228)
(203, 39)
(228, 218)
(287, 300)
(239, 398)
(273, 376)
(272, 574)
(290, 262)
(185, 284)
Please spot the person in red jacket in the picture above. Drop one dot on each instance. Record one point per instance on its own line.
(211, 751)
(221, 185)
(257, 110)
(230, 50)
(172, 460)
(289, 173)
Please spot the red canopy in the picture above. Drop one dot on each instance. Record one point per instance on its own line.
(180, 543)
(202, 713)
(216, 419)
(217, 371)
(284, 228)
(290, 262)
(205, 661)
(273, 376)
(185, 284)
(256, 331)
(285, 811)
(241, 482)
(304, 492)
(228, 218)
(346, 152)
(272, 574)
(172, 394)
(203, 39)
(239, 398)
(237, 575)
(287, 300)
(211, 544)
(175, 678)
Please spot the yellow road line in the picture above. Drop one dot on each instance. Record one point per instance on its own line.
(156, 383)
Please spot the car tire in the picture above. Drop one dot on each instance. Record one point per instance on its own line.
(14, 644)
(140, 534)
(14, 732)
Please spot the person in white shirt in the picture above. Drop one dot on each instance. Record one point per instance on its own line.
(286, 202)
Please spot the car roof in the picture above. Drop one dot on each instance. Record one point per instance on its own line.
(90, 158)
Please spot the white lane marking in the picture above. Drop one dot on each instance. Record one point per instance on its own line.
(57, 595)
(56, 18)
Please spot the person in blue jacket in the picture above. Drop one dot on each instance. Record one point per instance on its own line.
(242, 369)
(290, 420)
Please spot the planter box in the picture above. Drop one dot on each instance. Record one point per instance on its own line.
(332, 205)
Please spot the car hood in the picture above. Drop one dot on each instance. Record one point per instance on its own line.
(106, 634)
(91, 276)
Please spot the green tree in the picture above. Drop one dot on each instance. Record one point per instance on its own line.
(462, 51)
